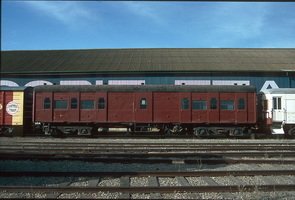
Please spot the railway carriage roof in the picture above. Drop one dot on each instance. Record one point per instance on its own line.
(148, 60)
(279, 91)
(143, 88)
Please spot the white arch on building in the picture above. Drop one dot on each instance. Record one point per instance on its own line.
(8, 83)
(231, 82)
(98, 82)
(126, 82)
(192, 82)
(75, 82)
(39, 82)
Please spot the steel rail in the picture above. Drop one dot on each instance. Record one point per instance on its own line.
(190, 143)
(198, 160)
(148, 173)
(143, 148)
(160, 189)
(59, 152)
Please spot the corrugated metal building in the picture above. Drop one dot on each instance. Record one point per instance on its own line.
(260, 67)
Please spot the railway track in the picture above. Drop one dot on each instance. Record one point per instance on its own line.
(160, 183)
(154, 182)
(189, 153)
(144, 147)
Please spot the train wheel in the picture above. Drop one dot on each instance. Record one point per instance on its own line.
(252, 136)
(50, 131)
(201, 132)
(6, 131)
(237, 133)
(84, 131)
(167, 131)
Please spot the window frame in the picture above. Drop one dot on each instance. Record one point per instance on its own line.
(241, 104)
(185, 104)
(74, 105)
(143, 103)
(202, 106)
(82, 104)
(277, 103)
(47, 103)
(213, 103)
(60, 104)
(225, 105)
(101, 103)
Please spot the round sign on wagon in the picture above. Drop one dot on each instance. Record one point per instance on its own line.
(12, 108)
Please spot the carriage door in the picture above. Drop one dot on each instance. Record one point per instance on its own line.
(74, 107)
(185, 111)
(61, 107)
(43, 107)
(214, 115)
(242, 110)
(143, 107)
(101, 114)
(87, 106)
(278, 111)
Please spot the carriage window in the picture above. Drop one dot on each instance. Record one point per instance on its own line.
(60, 104)
(241, 104)
(47, 103)
(277, 103)
(185, 104)
(74, 103)
(101, 103)
(199, 105)
(143, 103)
(213, 104)
(87, 104)
(227, 105)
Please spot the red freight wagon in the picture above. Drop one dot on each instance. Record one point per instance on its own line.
(205, 110)
(15, 110)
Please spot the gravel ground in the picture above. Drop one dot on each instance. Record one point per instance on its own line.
(139, 181)
(7, 165)
(196, 181)
(140, 196)
(80, 181)
(106, 195)
(142, 181)
(168, 181)
(109, 182)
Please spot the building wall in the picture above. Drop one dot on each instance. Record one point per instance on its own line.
(260, 81)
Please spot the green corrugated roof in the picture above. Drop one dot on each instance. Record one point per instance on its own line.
(155, 59)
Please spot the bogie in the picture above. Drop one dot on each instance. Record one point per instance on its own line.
(220, 131)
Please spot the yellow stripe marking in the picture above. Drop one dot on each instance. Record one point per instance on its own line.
(18, 98)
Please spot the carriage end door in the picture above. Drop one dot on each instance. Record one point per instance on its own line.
(278, 111)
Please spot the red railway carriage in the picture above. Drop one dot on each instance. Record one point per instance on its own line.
(15, 110)
(203, 109)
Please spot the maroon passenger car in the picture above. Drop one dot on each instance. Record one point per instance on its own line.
(203, 110)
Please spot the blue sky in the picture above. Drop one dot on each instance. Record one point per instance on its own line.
(35, 25)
